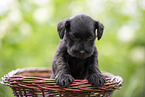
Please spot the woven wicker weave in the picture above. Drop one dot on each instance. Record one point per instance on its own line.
(30, 82)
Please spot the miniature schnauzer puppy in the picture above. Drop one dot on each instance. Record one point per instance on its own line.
(76, 56)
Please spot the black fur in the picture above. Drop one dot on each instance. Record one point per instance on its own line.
(77, 56)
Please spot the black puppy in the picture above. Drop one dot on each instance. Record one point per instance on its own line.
(77, 56)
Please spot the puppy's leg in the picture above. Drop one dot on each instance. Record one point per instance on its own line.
(63, 77)
(61, 70)
(95, 77)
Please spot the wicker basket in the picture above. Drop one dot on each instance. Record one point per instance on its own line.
(31, 82)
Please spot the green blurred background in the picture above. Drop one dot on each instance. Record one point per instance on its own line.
(28, 37)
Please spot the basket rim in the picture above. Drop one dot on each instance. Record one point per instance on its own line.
(12, 77)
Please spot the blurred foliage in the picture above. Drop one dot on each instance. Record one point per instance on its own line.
(28, 37)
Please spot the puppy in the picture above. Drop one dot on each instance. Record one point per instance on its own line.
(77, 56)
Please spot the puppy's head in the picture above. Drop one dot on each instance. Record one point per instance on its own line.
(79, 32)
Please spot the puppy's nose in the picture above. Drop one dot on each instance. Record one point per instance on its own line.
(82, 52)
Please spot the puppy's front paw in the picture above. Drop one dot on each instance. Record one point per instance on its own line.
(64, 80)
(96, 79)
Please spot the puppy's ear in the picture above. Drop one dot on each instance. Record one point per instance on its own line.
(62, 26)
(100, 28)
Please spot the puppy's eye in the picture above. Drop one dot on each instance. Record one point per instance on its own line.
(91, 38)
(73, 37)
